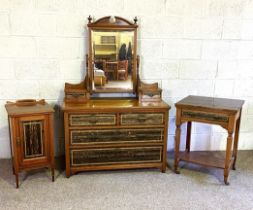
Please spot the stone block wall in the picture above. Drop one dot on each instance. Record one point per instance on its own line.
(201, 47)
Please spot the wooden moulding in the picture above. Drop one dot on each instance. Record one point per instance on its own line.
(76, 93)
(149, 92)
(27, 102)
(116, 22)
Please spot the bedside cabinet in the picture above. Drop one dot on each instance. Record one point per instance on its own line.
(31, 135)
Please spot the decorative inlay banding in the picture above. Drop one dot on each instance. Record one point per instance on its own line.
(115, 156)
(116, 136)
(33, 139)
(92, 119)
(142, 119)
(205, 116)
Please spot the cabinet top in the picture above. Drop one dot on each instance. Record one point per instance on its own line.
(114, 104)
(210, 103)
(14, 110)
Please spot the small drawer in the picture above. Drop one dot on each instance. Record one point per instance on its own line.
(84, 157)
(92, 119)
(205, 116)
(142, 119)
(116, 136)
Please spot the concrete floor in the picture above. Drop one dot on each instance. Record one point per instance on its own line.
(148, 189)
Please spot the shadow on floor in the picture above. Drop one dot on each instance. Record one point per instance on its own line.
(7, 175)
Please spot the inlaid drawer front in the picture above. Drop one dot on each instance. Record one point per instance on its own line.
(115, 156)
(92, 119)
(116, 136)
(213, 117)
(142, 119)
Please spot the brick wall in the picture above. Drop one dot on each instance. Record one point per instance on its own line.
(202, 47)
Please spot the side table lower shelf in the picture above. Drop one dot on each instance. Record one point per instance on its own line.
(206, 158)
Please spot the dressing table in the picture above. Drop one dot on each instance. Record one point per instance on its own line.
(118, 132)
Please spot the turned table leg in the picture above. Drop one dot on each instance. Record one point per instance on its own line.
(177, 143)
(188, 136)
(228, 157)
(236, 137)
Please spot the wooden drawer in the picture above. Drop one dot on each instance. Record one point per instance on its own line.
(92, 119)
(142, 119)
(204, 116)
(116, 136)
(83, 157)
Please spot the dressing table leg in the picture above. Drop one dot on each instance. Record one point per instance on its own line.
(164, 165)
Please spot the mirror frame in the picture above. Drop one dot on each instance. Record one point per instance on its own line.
(109, 23)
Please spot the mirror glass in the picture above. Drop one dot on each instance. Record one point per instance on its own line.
(112, 60)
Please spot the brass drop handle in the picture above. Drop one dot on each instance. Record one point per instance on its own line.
(18, 141)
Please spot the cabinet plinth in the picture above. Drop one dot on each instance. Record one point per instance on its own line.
(31, 136)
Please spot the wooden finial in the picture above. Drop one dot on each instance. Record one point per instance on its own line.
(89, 19)
(135, 20)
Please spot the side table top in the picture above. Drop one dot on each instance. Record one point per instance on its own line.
(224, 104)
(15, 110)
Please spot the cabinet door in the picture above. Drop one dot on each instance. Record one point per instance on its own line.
(33, 142)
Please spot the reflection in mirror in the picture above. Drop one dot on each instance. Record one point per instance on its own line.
(112, 59)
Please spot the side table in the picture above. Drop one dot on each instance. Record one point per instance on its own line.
(218, 111)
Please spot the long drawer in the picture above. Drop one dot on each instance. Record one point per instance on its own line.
(116, 136)
(141, 118)
(84, 157)
(92, 119)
